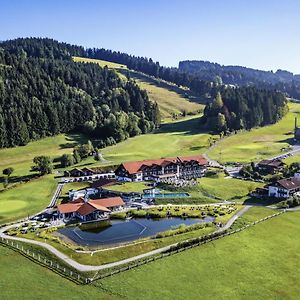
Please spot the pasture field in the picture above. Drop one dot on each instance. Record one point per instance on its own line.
(20, 158)
(240, 266)
(172, 100)
(20, 278)
(258, 143)
(26, 199)
(101, 63)
(181, 137)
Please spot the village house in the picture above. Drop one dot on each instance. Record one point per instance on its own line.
(285, 188)
(88, 209)
(179, 167)
(270, 166)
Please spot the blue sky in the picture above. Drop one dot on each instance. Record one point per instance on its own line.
(260, 34)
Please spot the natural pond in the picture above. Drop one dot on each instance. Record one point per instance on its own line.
(122, 231)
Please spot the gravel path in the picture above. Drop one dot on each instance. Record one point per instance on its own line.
(85, 268)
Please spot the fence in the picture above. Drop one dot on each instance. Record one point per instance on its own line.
(44, 261)
(79, 278)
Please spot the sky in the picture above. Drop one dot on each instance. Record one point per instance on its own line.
(260, 34)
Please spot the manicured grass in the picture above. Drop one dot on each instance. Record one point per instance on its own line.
(26, 198)
(172, 139)
(227, 188)
(258, 143)
(20, 158)
(261, 262)
(128, 187)
(20, 278)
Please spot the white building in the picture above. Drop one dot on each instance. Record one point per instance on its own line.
(285, 188)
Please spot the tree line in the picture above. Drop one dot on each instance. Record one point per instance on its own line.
(243, 108)
(43, 93)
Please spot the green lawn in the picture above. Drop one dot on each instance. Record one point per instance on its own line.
(26, 199)
(261, 262)
(20, 278)
(128, 187)
(20, 158)
(176, 138)
(258, 143)
(227, 188)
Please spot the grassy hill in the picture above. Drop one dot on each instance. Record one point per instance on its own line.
(172, 100)
(258, 143)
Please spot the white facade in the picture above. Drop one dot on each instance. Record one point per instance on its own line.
(278, 192)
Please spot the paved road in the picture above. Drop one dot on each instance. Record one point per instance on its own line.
(85, 268)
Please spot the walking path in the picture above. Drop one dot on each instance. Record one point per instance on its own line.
(56, 195)
(234, 218)
(85, 268)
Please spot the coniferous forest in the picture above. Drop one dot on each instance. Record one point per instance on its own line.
(244, 108)
(43, 93)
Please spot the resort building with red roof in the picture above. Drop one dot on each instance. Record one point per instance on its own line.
(185, 167)
(89, 209)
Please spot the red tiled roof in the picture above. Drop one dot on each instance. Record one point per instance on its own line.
(135, 166)
(108, 202)
(86, 209)
(289, 183)
(68, 207)
(83, 208)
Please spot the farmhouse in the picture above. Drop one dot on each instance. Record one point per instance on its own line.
(89, 210)
(284, 188)
(179, 167)
(270, 166)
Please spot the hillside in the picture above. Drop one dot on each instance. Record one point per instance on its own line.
(173, 101)
(281, 80)
(43, 93)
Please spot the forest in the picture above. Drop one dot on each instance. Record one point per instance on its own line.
(244, 108)
(43, 93)
(280, 80)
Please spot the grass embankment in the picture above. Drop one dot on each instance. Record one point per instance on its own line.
(255, 213)
(32, 281)
(258, 143)
(172, 100)
(222, 269)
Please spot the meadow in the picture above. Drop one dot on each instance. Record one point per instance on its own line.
(181, 137)
(20, 278)
(241, 266)
(258, 143)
